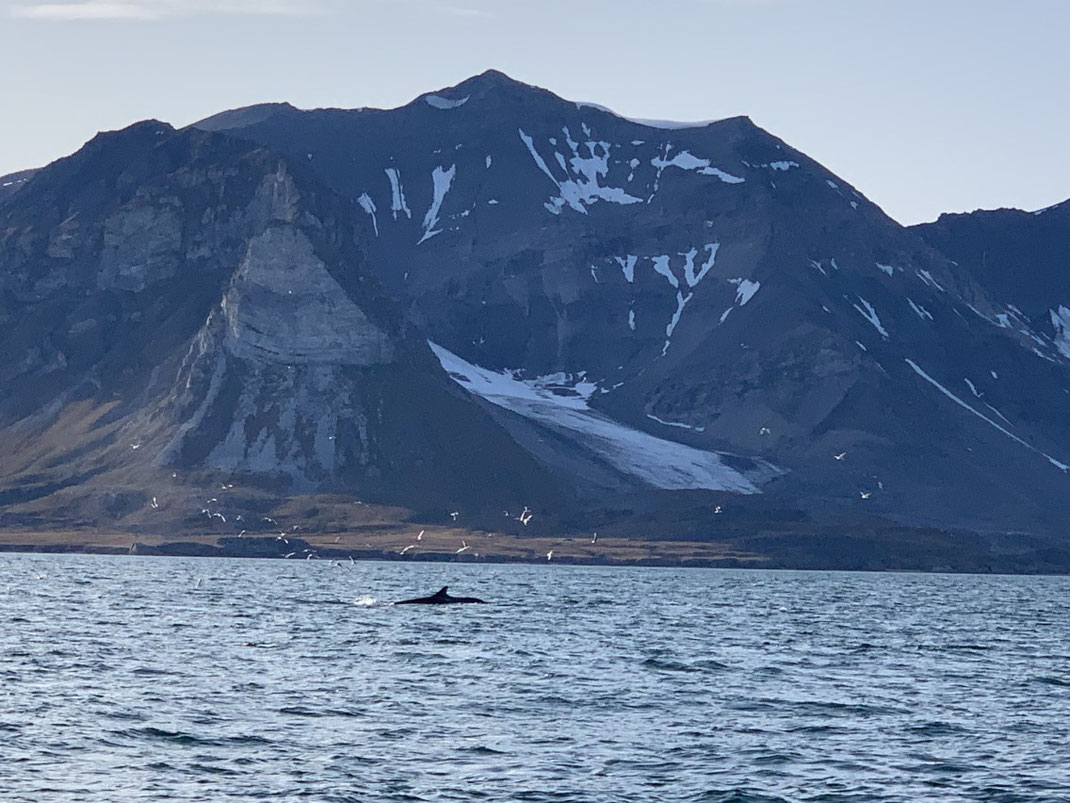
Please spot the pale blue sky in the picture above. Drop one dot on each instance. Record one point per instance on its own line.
(924, 105)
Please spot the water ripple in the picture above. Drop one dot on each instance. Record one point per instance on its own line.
(141, 679)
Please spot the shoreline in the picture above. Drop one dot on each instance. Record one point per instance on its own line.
(438, 546)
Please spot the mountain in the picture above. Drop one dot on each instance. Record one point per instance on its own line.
(707, 285)
(180, 309)
(1021, 258)
(492, 298)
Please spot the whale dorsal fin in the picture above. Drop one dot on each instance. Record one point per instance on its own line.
(441, 592)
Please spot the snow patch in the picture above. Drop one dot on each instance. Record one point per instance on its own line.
(685, 160)
(661, 265)
(681, 302)
(654, 461)
(745, 290)
(920, 310)
(627, 264)
(441, 179)
(679, 424)
(927, 277)
(690, 276)
(1060, 319)
(582, 186)
(439, 102)
(870, 315)
(368, 205)
(397, 194)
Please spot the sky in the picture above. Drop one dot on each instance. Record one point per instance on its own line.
(926, 106)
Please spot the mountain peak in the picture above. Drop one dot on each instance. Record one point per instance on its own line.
(245, 116)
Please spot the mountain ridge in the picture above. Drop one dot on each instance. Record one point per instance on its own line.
(611, 294)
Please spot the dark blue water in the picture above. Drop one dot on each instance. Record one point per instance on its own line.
(126, 679)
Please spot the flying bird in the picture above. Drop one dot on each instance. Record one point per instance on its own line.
(406, 549)
(454, 515)
(420, 537)
(764, 431)
(549, 556)
(525, 516)
(839, 456)
(865, 494)
(154, 505)
(464, 546)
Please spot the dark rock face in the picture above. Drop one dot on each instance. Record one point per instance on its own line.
(708, 285)
(12, 183)
(1021, 258)
(180, 302)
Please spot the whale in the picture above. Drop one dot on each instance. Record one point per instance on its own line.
(440, 597)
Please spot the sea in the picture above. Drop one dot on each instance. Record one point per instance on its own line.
(185, 679)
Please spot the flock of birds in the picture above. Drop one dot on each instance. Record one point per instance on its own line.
(525, 517)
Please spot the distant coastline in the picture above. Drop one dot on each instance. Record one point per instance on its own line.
(439, 547)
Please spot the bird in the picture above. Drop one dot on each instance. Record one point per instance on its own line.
(463, 547)
(549, 556)
(283, 538)
(764, 431)
(594, 538)
(270, 520)
(213, 499)
(219, 516)
(241, 533)
(135, 446)
(420, 537)
(154, 505)
(865, 494)
(337, 538)
(525, 516)
(406, 549)
(718, 509)
(839, 456)
(289, 554)
(454, 515)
